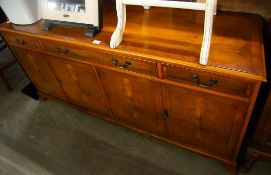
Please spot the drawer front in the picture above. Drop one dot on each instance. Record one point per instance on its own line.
(100, 57)
(204, 80)
(22, 41)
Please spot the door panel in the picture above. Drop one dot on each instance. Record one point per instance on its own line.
(80, 84)
(202, 120)
(36, 66)
(134, 101)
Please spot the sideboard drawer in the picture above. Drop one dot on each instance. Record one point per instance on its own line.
(205, 80)
(22, 41)
(97, 56)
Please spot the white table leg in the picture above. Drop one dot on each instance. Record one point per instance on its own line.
(116, 38)
(207, 36)
(209, 7)
(146, 7)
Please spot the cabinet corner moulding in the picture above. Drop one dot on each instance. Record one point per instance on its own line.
(210, 7)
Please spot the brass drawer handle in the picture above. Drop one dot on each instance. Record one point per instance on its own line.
(66, 51)
(212, 82)
(21, 42)
(125, 65)
(62, 52)
(58, 50)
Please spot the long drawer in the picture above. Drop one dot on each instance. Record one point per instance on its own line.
(22, 41)
(205, 80)
(97, 56)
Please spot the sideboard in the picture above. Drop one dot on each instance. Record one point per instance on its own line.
(152, 83)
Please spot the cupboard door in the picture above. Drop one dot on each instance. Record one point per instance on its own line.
(202, 120)
(36, 66)
(80, 84)
(134, 101)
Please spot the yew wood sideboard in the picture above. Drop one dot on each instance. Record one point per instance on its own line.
(153, 83)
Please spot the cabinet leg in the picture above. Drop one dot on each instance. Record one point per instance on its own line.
(5, 81)
(230, 168)
(247, 164)
(42, 98)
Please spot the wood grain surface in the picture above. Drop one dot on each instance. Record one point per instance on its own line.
(173, 35)
(156, 93)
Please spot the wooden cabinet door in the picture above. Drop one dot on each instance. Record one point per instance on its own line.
(81, 85)
(202, 120)
(36, 66)
(134, 101)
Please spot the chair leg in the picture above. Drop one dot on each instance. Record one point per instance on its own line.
(5, 81)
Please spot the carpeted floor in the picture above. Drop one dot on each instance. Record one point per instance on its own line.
(42, 138)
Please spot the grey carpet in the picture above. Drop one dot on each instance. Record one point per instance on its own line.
(50, 138)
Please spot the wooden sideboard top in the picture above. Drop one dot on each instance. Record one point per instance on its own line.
(174, 36)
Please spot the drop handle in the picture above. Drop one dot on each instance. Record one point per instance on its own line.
(211, 83)
(58, 50)
(117, 64)
(21, 42)
(62, 52)
(66, 51)
(126, 64)
(115, 61)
